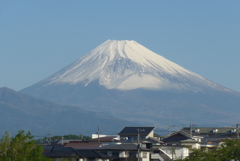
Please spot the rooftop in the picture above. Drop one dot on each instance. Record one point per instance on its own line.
(133, 131)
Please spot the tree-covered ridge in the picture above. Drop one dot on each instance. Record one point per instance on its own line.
(65, 137)
(229, 150)
(22, 147)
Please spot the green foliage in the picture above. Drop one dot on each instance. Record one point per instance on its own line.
(22, 147)
(229, 150)
(68, 137)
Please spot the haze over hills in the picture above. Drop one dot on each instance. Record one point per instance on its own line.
(23, 112)
(127, 80)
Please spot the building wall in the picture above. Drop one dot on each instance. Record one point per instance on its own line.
(194, 146)
(175, 152)
(145, 156)
(123, 154)
(94, 136)
(126, 154)
(98, 159)
(151, 134)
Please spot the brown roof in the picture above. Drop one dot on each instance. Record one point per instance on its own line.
(76, 145)
(104, 139)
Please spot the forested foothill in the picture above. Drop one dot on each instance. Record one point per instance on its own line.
(49, 139)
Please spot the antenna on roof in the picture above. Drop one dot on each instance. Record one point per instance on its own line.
(170, 126)
(237, 130)
(190, 129)
(138, 140)
(49, 136)
(98, 134)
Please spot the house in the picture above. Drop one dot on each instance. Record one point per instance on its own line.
(211, 137)
(168, 152)
(146, 138)
(201, 137)
(76, 144)
(122, 152)
(59, 153)
(105, 140)
(94, 136)
(213, 132)
(136, 133)
(183, 139)
(83, 145)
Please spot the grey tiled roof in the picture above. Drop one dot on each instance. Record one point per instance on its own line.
(92, 154)
(122, 147)
(61, 152)
(133, 131)
(176, 136)
(83, 145)
(67, 152)
(209, 130)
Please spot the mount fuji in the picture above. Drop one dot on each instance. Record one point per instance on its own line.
(129, 81)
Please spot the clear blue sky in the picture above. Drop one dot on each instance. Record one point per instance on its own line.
(38, 38)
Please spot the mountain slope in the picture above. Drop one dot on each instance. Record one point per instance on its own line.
(127, 65)
(23, 112)
(127, 80)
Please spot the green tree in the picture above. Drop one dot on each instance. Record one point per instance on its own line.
(200, 155)
(22, 147)
(229, 150)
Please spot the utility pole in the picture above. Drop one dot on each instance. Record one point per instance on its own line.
(191, 130)
(49, 135)
(138, 141)
(98, 134)
(237, 126)
(169, 127)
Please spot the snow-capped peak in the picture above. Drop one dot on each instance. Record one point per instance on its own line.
(127, 65)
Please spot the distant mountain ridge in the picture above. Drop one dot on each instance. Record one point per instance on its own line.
(23, 112)
(127, 80)
(127, 65)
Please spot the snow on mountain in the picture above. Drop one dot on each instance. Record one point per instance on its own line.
(127, 65)
(128, 81)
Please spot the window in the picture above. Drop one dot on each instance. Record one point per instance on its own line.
(132, 154)
(90, 159)
(197, 130)
(115, 154)
(144, 154)
(215, 130)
